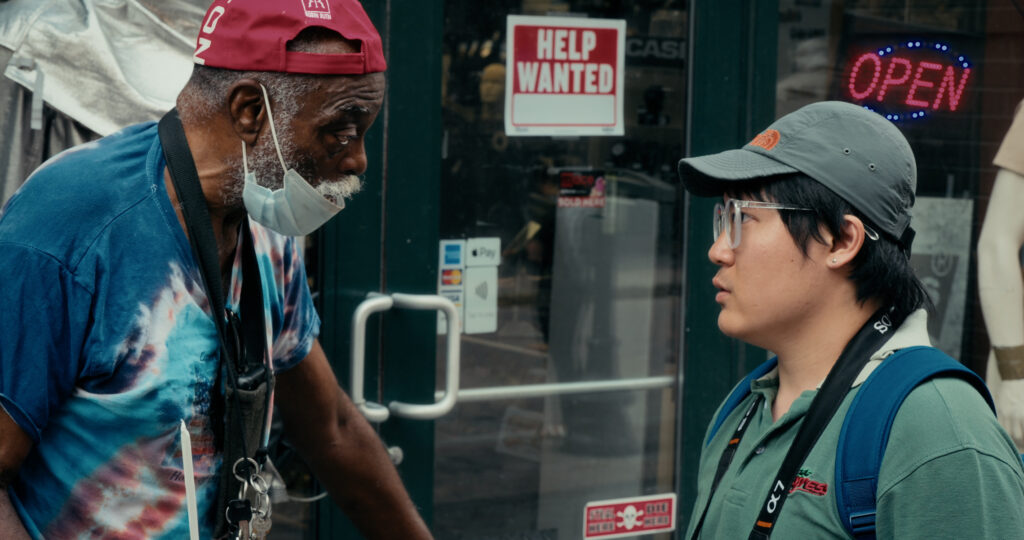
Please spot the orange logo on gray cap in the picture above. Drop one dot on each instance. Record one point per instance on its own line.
(317, 9)
(767, 139)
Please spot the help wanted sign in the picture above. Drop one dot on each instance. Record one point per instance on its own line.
(564, 76)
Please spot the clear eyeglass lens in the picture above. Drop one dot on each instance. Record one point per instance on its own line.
(724, 216)
(721, 222)
(732, 227)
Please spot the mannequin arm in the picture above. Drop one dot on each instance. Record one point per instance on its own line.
(1002, 293)
(999, 272)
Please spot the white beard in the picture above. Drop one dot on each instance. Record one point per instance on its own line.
(264, 162)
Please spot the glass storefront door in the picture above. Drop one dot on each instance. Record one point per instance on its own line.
(569, 386)
(569, 395)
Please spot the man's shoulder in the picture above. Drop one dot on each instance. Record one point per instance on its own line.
(941, 417)
(74, 196)
(98, 166)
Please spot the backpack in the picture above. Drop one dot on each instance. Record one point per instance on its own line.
(865, 431)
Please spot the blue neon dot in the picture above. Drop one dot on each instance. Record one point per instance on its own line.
(937, 46)
(888, 49)
(965, 64)
(917, 44)
(910, 44)
(960, 58)
(945, 48)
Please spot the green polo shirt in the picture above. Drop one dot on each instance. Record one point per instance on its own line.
(949, 471)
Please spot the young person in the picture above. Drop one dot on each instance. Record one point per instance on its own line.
(812, 241)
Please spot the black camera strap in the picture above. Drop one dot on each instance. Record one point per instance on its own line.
(243, 346)
(870, 338)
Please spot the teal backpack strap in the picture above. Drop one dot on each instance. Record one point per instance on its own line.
(738, 394)
(865, 431)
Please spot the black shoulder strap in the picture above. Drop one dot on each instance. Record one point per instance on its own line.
(244, 355)
(197, 216)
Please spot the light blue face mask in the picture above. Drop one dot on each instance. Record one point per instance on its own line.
(297, 209)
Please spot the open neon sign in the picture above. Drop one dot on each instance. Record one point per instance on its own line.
(909, 80)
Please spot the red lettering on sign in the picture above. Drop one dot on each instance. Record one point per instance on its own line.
(914, 79)
(855, 75)
(890, 80)
(629, 517)
(948, 80)
(921, 83)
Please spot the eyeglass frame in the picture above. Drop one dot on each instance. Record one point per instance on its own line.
(720, 222)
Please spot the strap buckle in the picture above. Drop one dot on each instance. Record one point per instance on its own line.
(863, 523)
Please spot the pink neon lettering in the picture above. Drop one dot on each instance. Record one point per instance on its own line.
(954, 95)
(921, 83)
(855, 72)
(889, 80)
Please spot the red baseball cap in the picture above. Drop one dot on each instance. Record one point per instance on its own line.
(253, 35)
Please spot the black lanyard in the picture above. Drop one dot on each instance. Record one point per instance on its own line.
(726, 459)
(243, 347)
(870, 338)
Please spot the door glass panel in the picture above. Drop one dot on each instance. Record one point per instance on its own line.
(584, 293)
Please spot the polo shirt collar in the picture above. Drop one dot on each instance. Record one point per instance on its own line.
(913, 332)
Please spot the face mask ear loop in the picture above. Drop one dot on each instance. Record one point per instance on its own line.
(273, 132)
(245, 160)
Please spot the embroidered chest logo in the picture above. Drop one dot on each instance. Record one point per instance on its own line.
(804, 483)
(317, 9)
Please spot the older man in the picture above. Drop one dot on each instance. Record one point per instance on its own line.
(115, 341)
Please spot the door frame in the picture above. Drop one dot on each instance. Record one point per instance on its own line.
(359, 254)
(733, 49)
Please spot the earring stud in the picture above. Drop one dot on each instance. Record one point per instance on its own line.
(834, 260)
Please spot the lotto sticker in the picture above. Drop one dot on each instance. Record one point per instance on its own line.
(630, 517)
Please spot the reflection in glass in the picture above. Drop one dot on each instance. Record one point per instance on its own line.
(589, 282)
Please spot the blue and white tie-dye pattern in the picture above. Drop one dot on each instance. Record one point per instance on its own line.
(110, 343)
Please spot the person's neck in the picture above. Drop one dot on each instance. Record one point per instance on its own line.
(214, 174)
(805, 359)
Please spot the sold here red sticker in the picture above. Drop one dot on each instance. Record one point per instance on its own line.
(630, 517)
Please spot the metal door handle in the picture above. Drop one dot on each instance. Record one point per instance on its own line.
(445, 404)
(376, 302)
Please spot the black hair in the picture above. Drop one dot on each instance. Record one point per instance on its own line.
(881, 269)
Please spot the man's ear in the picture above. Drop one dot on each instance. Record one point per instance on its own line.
(247, 110)
(848, 243)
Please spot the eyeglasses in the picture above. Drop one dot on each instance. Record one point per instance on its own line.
(728, 217)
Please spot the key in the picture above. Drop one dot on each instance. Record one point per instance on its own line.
(238, 510)
(259, 527)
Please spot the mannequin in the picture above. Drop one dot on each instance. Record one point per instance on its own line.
(492, 92)
(1000, 283)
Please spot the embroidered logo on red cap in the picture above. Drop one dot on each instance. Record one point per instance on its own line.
(317, 9)
(767, 139)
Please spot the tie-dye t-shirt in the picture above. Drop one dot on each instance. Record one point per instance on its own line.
(107, 342)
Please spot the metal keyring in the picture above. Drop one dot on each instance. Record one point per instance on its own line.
(234, 468)
(259, 484)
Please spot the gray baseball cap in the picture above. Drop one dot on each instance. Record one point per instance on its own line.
(854, 152)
